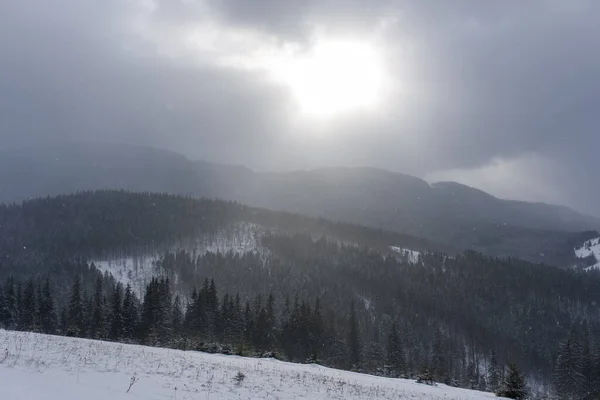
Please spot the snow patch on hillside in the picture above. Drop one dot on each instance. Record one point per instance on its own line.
(43, 367)
(590, 247)
(138, 270)
(411, 256)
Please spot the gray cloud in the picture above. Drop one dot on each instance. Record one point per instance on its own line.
(481, 86)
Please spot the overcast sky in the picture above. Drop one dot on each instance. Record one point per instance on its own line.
(501, 95)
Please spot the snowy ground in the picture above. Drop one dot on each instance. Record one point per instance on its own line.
(36, 367)
(138, 270)
(591, 246)
(411, 256)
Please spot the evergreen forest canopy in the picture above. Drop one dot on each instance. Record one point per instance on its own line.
(315, 291)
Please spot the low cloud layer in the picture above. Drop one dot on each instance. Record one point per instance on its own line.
(501, 95)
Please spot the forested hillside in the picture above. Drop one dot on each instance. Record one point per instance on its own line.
(456, 215)
(312, 291)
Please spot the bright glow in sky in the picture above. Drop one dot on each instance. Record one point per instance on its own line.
(334, 77)
(327, 78)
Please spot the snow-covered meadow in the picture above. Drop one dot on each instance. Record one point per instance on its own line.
(35, 366)
(137, 270)
(588, 248)
(410, 256)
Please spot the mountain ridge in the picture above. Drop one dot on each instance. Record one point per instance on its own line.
(446, 212)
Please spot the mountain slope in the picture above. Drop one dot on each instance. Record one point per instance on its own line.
(43, 367)
(468, 304)
(455, 215)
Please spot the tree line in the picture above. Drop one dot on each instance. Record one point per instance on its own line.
(450, 316)
(297, 331)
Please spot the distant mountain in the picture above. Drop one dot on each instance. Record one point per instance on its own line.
(446, 212)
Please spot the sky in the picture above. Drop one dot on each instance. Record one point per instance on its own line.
(502, 96)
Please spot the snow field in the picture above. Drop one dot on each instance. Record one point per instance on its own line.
(591, 246)
(139, 270)
(35, 366)
(411, 256)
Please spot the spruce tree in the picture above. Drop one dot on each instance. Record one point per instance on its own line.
(130, 314)
(10, 304)
(374, 355)
(38, 308)
(177, 316)
(514, 386)
(149, 317)
(212, 311)
(595, 368)
(191, 313)
(98, 317)
(165, 311)
(568, 370)
(316, 332)
(47, 311)
(28, 311)
(248, 325)
(586, 364)
(88, 316)
(177, 320)
(439, 361)
(63, 323)
(493, 373)
(238, 320)
(354, 340)
(3, 309)
(395, 353)
(75, 318)
(270, 334)
(18, 304)
(226, 318)
(116, 314)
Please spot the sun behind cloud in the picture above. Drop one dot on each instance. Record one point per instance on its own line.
(335, 77)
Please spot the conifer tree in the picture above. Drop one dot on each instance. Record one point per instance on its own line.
(595, 368)
(117, 317)
(238, 320)
(88, 315)
(493, 373)
(98, 312)
(226, 319)
(63, 323)
(149, 316)
(395, 353)
(10, 299)
(439, 363)
(514, 386)
(316, 332)
(28, 311)
(38, 308)
(248, 324)
(177, 316)
(47, 311)
(76, 317)
(3, 309)
(212, 311)
(18, 304)
(586, 365)
(130, 314)
(354, 339)
(191, 312)
(568, 370)
(270, 334)
(374, 354)
(165, 311)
